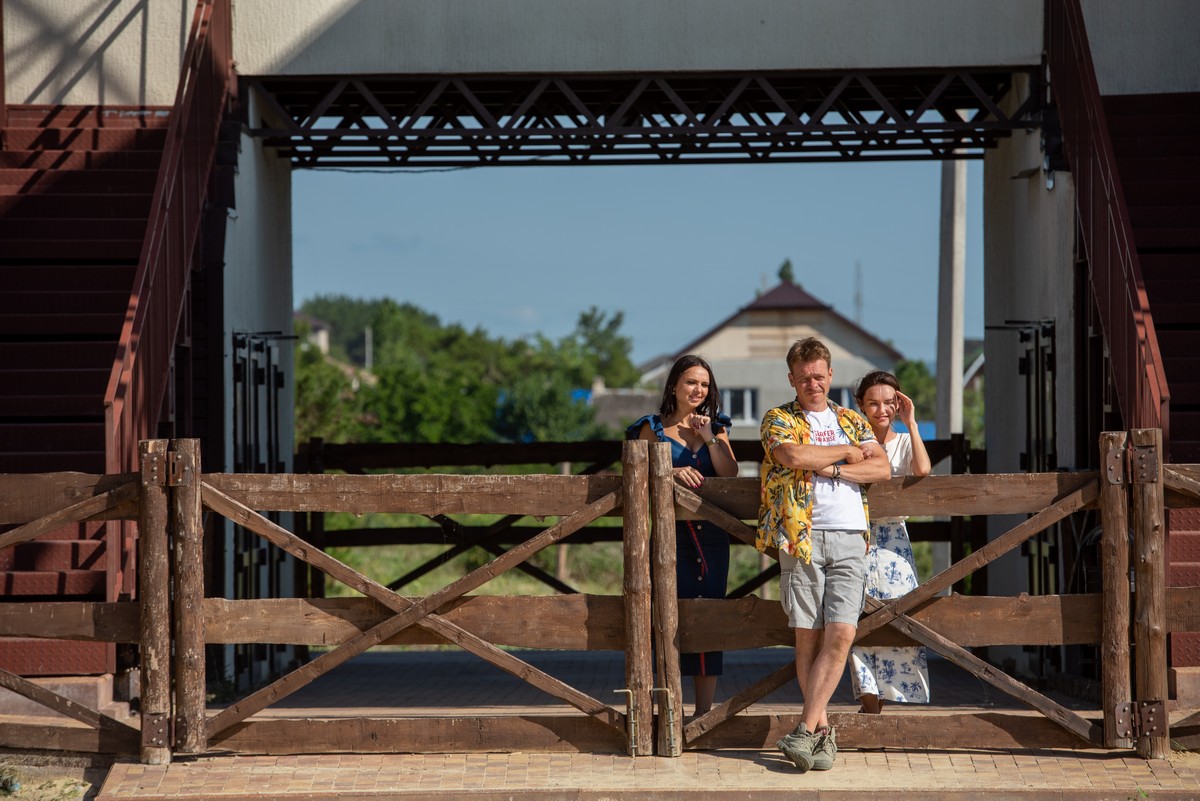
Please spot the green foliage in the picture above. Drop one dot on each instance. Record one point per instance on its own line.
(919, 384)
(973, 420)
(326, 400)
(432, 382)
(787, 272)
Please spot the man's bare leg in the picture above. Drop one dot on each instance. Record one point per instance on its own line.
(820, 660)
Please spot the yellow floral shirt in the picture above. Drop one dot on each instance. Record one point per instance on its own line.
(785, 507)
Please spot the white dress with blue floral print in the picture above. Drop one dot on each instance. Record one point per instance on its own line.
(894, 674)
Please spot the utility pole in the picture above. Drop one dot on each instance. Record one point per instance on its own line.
(951, 297)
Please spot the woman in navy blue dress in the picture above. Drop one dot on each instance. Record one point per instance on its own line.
(690, 419)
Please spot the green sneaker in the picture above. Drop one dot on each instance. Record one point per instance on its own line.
(826, 750)
(799, 747)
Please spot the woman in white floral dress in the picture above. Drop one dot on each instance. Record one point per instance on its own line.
(881, 674)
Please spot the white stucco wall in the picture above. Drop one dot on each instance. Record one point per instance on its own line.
(308, 37)
(1028, 275)
(1144, 47)
(258, 267)
(116, 52)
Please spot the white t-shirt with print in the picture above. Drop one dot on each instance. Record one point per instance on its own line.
(835, 505)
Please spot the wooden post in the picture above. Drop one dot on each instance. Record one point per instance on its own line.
(155, 604)
(1150, 607)
(638, 671)
(188, 610)
(666, 603)
(1114, 571)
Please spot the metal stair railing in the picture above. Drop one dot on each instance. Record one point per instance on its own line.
(1106, 234)
(143, 363)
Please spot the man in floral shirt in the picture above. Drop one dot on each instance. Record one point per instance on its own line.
(817, 456)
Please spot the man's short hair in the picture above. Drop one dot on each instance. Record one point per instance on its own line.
(808, 350)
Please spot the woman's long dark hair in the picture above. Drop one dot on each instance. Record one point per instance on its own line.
(712, 402)
(874, 378)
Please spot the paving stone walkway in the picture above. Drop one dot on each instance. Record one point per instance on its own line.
(415, 683)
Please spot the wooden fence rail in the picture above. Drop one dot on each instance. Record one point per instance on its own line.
(172, 621)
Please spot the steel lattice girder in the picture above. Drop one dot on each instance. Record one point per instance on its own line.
(490, 120)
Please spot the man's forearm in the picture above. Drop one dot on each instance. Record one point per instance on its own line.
(809, 457)
(867, 471)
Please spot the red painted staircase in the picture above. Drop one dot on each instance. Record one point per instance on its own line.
(1156, 141)
(75, 194)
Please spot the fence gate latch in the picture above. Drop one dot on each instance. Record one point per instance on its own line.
(1143, 464)
(1145, 719)
(179, 469)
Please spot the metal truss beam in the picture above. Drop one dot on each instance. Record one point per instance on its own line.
(456, 121)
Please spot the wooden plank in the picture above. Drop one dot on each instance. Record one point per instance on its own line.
(1071, 721)
(87, 509)
(88, 621)
(907, 731)
(60, 704)
(433, 535)
(639, 678)
(1060, 509)
(666, 603)
(969, 620)
(429, 494)
(460, 734)
(25, 497)
(188, 567)
(154, 579)
(22, 735)
(708, 510)
(1178, 479)
(977, 494)
(564, 622)
(377, 634)
(1149, 604)
(722, 713)
(1114, 571)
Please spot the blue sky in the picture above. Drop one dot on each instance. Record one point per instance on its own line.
(522, 250)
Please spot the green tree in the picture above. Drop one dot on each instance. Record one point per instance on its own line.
(598, 348)
(786, 272)
(327, 400)
(919, 384)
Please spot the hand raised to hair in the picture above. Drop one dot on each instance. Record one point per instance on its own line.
(906, 411)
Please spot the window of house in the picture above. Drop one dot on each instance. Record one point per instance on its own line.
(742, 404)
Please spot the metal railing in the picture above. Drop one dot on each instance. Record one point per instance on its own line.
(1105, 231)
(142, 365)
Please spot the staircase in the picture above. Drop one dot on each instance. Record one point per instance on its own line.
(75, 194)
(1156, 141)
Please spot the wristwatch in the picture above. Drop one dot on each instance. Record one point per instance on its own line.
(712, 441)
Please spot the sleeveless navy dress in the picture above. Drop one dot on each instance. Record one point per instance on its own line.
(701, 548)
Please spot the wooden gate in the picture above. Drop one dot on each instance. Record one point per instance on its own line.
(1129, 490)
(171, 621)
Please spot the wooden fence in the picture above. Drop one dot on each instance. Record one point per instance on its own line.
(172, 621)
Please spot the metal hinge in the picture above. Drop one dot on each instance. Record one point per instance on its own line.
(1143, 464)
(167, 469)
(1114, 462)
(1146, 720)
(630, 718)
(156, 730)
(672, 741)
